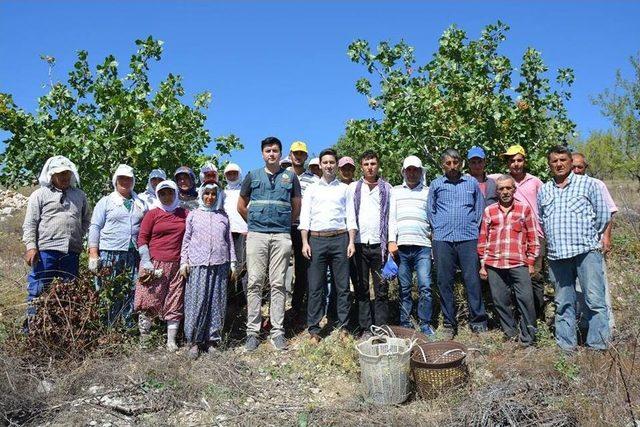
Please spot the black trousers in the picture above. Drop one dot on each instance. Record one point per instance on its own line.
(503, 283)
(240, 282)
(325, 252)
(368, 261)
(301, 265)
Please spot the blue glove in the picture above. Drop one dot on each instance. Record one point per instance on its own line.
(390, 269)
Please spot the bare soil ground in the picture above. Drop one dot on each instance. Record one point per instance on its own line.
(122, 384)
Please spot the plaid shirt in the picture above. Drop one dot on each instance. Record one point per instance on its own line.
(508, 239)
(573, 217)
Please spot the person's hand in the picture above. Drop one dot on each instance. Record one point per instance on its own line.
(606, 244)
(94, 264)
(31, 257)
(306, 250)
(483, 273)
(351, 249)
(393, 249)
(184, 270)
(233, 267)
(532, 270)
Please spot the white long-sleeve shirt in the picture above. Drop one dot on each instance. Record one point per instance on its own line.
(238, 224)
(325, 207)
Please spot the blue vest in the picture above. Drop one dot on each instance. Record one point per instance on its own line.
(270, 202)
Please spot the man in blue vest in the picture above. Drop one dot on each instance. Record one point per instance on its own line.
(269, 202)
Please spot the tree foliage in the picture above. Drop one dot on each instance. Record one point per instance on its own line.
(622, 106)
(100, 119)
(464, 96)
(604, 154)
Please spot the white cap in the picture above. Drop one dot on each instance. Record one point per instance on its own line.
(412, 161)
(123, 170)
(285, 161)
(232, 167)
(315, 161)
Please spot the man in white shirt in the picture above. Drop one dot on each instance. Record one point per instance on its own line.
(233, 176)
(370, 198)
(328, 228)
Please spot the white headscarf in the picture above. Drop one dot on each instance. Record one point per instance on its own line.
(167, 183)
(57, 164)
(208, 167)
(235, 184)
(156, 173)
(218, 205)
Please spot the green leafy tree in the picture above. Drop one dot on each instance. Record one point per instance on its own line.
(100, 119)
(622, 106)
(464, 96)
(604, 154)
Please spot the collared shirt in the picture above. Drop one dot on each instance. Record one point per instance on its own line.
(527, 192)
(369, 213)
(113, 226)
(611, 205)
(454, 208)
(56, 220)
(306, 179)
(488, 190)
(207, 239)
(325, 207)
(573, 217)
(508, 239)
(408, 223)
(238, 224)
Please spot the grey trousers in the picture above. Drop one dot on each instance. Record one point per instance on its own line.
(267, 261)
(504, 282)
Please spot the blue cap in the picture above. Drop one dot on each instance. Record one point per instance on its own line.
(475, 151)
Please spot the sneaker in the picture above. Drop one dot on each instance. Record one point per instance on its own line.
(194, 352)
(427, 330)
(252, 343)
(279, 342)
(172, 346)
(479, 328)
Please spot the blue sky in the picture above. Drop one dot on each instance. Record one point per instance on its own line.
(280, 68)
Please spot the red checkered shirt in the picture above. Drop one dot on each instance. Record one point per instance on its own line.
(508, 239)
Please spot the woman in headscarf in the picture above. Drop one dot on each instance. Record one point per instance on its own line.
(113, 233)
(233, 176)
(209, 173)
(207, 257)
(160, 287)
(149, 196)
(187, 194)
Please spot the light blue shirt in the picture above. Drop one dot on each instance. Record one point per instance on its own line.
(113, 227)
(573, 217)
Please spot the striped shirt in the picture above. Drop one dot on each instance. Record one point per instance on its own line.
(56, 220)
(508, 239)
(573, 217)
(408, 223)
(455, 208)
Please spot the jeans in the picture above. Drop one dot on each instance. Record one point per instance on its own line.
(328, 251)
(587, 268)
(464, 254)
(368, 261)
(50, 265)
(418, 259)
(267, 261)
(503, 283)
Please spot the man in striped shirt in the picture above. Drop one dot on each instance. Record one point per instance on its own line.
(454, 210)
(507, 247)
(574, 216)
(410, 242)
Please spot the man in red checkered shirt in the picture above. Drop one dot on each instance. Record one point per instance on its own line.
(507, 247)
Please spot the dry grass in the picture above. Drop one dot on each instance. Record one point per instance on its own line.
(319, 385)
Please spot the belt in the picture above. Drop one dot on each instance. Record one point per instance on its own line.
(330, 233)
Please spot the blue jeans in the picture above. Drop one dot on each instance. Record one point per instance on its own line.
(587, 268)
(464, 254)
(51, 264)
(418, 259)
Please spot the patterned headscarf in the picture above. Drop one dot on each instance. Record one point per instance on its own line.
(156, 173)
(208, 167)
(191, 192)
(218, 205)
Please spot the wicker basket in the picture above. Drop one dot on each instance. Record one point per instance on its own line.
(437, 366)
(400, 332)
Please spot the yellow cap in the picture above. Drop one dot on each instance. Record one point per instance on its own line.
(515, 149)
(299, 146)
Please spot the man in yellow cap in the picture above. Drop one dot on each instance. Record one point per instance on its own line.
(298, 155)
(527, 187)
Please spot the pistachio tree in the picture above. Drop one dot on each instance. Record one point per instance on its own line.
(467, 94)
(100, 118)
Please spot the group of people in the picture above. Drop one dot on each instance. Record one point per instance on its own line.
(180, 245)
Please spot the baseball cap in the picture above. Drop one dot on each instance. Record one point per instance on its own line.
(232, 167)
(412, 161)
(314, 161)
(514, 149)
(299, 146)
(346, 160)
(475, 151)
(285, 161)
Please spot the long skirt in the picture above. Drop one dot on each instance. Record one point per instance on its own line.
(162, 296)
(123, 266)
(205, 303)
